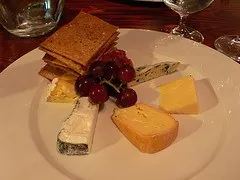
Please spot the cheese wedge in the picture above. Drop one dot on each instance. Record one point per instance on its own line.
(179, 96)
(148, 128)
(149, 72)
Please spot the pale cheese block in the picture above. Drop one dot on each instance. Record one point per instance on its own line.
(148, 128)
(179, 96)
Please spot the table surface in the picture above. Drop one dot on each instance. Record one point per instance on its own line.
(220, 18)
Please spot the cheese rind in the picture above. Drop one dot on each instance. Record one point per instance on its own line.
(179, 96)
(148, 128)
(77, 131)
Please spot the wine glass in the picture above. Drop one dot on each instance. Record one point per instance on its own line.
(229, 45)
(184, 8)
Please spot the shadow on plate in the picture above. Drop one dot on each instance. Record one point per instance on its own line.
(104, 128)
(148, 49)
(187, 126)
(207, 97)
(143, 50)
(39, 141)
(17, 80)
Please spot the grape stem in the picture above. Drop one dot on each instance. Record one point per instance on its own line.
(112, 85)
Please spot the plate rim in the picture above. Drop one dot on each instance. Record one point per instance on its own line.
(15, 63)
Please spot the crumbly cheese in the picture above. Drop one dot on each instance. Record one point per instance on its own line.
(62, 91)
(179, 96)
(51, 87)
(149, 72)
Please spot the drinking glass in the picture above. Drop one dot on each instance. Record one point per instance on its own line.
(229, 45)
(184, 8)
(30, 18)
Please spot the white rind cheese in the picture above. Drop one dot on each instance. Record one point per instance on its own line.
(77, 131)
(149, 72)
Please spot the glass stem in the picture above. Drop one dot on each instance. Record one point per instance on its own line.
(182, 21)
(236, 40)
(182, 27)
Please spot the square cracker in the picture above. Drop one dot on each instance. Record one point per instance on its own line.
(81, 39)
(56, 59)
(53, 58)
(50, 72)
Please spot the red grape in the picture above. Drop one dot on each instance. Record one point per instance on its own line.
(110, 70)
(83, 84)
(127, 61)
(117, 55)
(121, 58)
(126, 74)
(126, 98)
(98, 94)
(96, 68)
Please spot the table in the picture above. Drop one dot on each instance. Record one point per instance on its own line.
(221, 18)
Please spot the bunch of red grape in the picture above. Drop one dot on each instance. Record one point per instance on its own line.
(106, 77)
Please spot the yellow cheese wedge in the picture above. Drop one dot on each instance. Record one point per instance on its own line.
(179, 96)
(149, 129)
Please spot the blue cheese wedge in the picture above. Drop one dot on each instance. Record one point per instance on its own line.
(149, 72)
(77, 131)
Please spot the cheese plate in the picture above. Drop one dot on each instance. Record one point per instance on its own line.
(206, 148)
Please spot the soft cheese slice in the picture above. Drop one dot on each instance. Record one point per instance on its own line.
(77, 131)
(179, 96)
(148, 128)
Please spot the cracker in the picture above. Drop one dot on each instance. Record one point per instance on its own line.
(54, 62)
(50, 72)
(58, 60)
(109, 44)
(70, 64)
(81, 39)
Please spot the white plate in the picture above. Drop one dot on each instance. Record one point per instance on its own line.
(207, 146)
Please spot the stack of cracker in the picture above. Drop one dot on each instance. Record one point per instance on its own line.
(74, 46)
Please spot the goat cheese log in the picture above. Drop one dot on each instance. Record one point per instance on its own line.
(77, 131)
